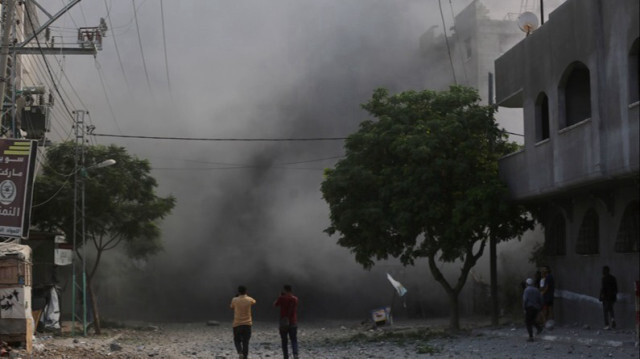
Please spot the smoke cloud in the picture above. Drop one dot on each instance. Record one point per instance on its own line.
(248, 212)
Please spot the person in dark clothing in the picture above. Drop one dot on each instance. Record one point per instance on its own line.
(532, 303)
(608, 294)
(547, 288)
(288, 326)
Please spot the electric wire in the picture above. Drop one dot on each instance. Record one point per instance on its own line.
(52, 83)
(223, 139)
(62, 74)
(52, 196)
(29, 76)
(106, 96)
(244, 164)
(513, 133)
(115, 45)
(446, 40)
(35, 65)
(238, 168)
(55, 86)
(84, 17)
(70, 16)
(164, 42)
(144, 63)
(462, 58)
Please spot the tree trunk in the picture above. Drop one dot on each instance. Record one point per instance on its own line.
(494, 281)
(454, 316)
(94, 308)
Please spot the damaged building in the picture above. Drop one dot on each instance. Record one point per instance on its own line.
(576, 79)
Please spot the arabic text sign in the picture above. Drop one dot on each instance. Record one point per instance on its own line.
(17, 165)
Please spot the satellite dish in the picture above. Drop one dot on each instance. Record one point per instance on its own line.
(528, 22)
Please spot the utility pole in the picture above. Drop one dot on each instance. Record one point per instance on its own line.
(7, 18)
(78, 185)
(493, 266)
(89, 42)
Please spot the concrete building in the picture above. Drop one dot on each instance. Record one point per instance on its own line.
(576, 79)
(480, 34)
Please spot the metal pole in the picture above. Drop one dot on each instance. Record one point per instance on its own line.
(76, 158)
(84, 253)
(490, 90)
(79, 185)
(493, 267)
(81, 128)
(8, 14)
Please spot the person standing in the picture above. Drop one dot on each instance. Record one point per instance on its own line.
(288, 325)
(548, 286)
(531, 303)
(242, 321)
(608, 294)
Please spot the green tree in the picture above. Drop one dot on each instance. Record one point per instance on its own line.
(121, 206)
(422, 181)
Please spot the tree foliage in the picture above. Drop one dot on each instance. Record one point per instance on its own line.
(422, 181)
(121, 206)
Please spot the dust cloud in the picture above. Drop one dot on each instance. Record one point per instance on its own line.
(249, 212)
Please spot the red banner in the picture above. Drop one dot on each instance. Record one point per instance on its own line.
(17, 167)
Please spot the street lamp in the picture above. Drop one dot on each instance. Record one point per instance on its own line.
(80, 180)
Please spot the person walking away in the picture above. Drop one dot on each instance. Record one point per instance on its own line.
(532, 303)
(288, 325)
(608, 294)
(242, 321)
(547, 289)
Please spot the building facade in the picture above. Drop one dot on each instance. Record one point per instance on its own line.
(576, 80)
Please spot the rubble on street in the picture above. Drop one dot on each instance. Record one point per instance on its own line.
(338, 340)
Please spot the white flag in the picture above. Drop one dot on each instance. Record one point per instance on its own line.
(397, 285)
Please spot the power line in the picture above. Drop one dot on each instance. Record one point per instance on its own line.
(106, 96)
(513, 133)
(238, 168)
(144, 63)
(223, 139)
(446, 40)
(245, 165)
(115, 44)
(164, 42)
(457, 35)
(55, 86)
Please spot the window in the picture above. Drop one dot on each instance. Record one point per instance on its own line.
(555, 238)
(542, 117)
(628, 239)
(589, 234)
(634, 73)
(575, 94)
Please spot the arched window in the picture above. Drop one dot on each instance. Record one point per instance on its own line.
(542, 117)
(634, 73)
(555, 237)
(589, 234)
(575, 94)
(628, 239)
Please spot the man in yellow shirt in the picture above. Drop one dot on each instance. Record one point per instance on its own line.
(241, 305)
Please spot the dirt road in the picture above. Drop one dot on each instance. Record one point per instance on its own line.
(321, 340)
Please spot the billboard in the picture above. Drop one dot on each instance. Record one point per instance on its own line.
(17, 172)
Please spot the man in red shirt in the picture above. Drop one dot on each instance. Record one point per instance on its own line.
(288, 304)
